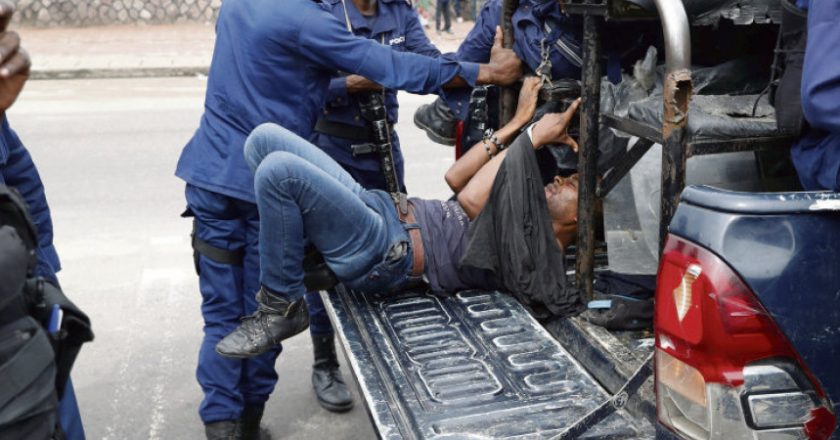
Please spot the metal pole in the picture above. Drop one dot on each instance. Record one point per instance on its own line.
(676, 96)
(508, 98)
(588, 153)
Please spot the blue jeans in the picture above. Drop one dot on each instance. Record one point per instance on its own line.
(304, 195)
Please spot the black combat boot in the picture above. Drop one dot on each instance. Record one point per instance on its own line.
(437, 120)
(249, 423)
(225, 430)
(332, 393)
(276, 319)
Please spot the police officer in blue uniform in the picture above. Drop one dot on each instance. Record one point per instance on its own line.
(18, 171)
(390, 22)
(533, 21)
(273, 62)
(817, 153)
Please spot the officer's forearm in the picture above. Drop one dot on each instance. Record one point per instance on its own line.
(358, 84)
(487, 74)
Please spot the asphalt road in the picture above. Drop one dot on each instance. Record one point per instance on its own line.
(106, 150)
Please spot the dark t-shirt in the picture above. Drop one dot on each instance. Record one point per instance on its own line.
(443, 228)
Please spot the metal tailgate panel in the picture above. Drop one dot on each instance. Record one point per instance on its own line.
(475, 365)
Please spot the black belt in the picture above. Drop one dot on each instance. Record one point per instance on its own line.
(345, 131)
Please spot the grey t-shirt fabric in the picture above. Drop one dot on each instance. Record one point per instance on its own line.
(443, 228)
(513, 238)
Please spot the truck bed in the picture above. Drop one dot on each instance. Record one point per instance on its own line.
(475, 365)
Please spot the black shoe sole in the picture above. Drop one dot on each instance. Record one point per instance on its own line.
(251, 355)
(237, 355)
(436, 138)
(331, 407)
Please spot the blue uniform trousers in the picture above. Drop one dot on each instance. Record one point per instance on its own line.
(228, 294)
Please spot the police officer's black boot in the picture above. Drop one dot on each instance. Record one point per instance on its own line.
(249, 423)
(224, 430)
(438, 121)
(330, 388)
(276, 319)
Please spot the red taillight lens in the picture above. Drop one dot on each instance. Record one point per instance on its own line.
(709, 327)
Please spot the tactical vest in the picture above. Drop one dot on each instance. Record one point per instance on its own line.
(34, 365)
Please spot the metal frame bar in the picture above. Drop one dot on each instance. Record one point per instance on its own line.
(588, 153)
(677, 90)
(507, 101)
(674, 138)
(677, 93)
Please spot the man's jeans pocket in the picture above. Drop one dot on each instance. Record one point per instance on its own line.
(387, 275)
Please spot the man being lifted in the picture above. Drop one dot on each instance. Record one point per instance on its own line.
(303, 195)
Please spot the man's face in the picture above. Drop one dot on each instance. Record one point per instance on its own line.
(561, 196)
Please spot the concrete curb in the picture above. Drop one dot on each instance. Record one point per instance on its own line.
(140, 72)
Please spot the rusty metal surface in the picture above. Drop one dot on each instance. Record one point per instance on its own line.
(475, 365)
(508, 99)
(701, 12)
(676, 94)
(588, 153)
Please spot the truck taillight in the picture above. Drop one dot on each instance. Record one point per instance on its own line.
(717, 349)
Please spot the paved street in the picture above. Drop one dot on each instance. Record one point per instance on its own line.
(107, 150)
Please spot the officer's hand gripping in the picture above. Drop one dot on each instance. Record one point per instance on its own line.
(506, 66)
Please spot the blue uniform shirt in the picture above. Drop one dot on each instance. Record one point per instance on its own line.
(272, 62)
(817, 154)
(18, 171)
(533, 20)
(396, 25)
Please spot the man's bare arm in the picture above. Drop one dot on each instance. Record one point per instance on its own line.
(472, 176)
(463, 170)
(552, 128)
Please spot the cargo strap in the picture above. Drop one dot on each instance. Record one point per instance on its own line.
(616, 402)
(234, 257)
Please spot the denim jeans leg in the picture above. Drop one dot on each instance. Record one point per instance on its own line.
(268, 138)
(299, 200)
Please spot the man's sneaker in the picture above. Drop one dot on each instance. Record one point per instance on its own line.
(276, 319)
(459, 19)
(437, 121)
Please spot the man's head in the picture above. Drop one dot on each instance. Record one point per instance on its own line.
(561, 196)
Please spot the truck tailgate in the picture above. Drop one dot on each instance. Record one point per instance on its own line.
(475, 365)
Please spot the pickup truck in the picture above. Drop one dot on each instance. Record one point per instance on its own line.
(747, 325)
